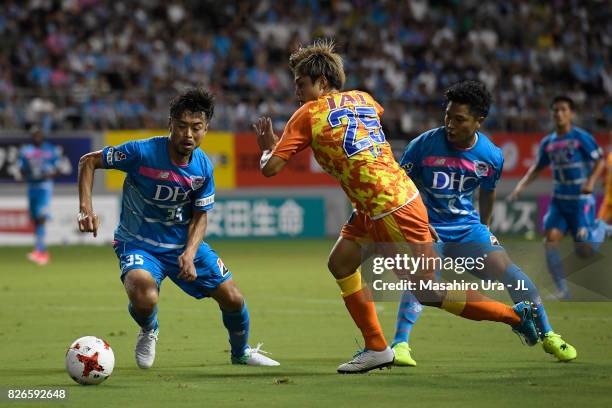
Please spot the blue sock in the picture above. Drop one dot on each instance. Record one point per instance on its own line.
(146, 322)
(407, 314)
(555, 267)
(40, 238)
(514, 274)
(237, 325)
(542, 320)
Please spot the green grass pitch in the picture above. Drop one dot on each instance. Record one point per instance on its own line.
(297, 312)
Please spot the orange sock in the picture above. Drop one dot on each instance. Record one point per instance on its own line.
(359, 304)
(474, 305)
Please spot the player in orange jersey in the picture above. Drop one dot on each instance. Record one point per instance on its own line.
(343, 129)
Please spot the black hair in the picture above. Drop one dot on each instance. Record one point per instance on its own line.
(193, 100)
(563, 98)
(472, 93)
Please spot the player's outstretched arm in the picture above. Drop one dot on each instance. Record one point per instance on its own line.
(266, 139)
(532, 174)
(195, 236)
(88, 220)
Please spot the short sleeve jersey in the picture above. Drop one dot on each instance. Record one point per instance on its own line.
(159, 196)
(344, 131)
(36, 163)
(572, 157)
(448, 176)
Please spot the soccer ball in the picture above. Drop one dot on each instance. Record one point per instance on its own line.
(89, 360)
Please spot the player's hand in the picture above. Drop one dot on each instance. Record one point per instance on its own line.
(513, 196)
(88, 222)
(587, 188)
(188, 270)
(266, 139)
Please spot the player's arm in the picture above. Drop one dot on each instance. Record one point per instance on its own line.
(486, 200)
(532, 174)
(595, 154)
(195, 236)
(88, 220)
(542, 160)
(589, 185)
(17, 169)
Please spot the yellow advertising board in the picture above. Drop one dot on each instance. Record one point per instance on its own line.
(218, 146)
(220, 149)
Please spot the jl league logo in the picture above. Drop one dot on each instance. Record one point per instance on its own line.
(197, 182)
(480, 168)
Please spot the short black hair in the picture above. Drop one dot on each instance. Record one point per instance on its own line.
(193, 100)
(472, 93)
(563, 98)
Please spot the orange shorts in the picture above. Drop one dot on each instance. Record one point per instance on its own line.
(406, 224)
(406, 229)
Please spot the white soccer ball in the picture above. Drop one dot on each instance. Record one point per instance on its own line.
(89, 360)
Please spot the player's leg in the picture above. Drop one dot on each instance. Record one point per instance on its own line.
(141, 274)
(499, 266)
(215, 280)
(235, 316)
(410, 224)
(142, 291)
(344, 263)
(39, 200)
(143, 294)
(555, 226)
(408, 313)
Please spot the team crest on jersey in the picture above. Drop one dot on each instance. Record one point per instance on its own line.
(197, 182)
(119, 156)
(222, 268)
(407, 167)
(480, 168)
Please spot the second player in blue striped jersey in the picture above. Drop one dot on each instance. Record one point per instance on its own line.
(449, 164)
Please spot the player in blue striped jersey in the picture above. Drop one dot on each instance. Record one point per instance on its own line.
(577, 161)
(168, 190)
(449, 164)
(37, 164)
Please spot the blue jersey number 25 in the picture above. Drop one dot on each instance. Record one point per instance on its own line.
(369, 119)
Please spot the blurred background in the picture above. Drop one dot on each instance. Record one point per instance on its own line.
(92, 73)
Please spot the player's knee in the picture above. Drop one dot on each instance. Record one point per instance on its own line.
(229, 297)
(144, 299)
(553, 237)
(234, 301)
(338, 269)
(141, 289)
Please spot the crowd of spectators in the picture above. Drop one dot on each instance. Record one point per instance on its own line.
(92, 64)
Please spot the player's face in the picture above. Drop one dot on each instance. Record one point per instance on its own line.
(187, 132)
(306, 90)
(562, 114)
(37, 138)
(460, 123)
